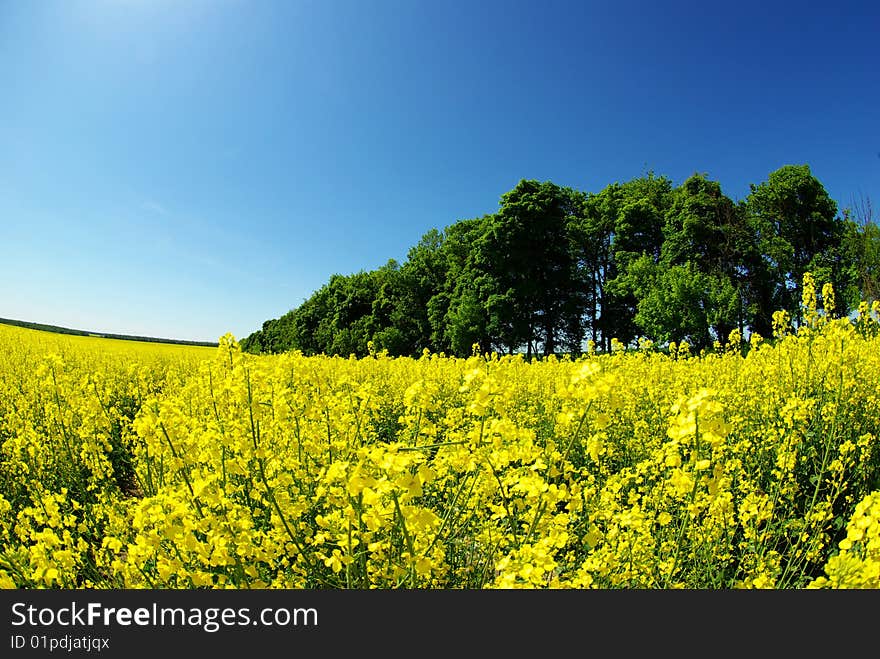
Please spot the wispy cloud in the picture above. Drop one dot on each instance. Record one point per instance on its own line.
(154, 207)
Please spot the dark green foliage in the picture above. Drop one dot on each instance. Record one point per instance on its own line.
(797, 230)
(555, 267)
(859, 254)
(621, 224)
(121, 455)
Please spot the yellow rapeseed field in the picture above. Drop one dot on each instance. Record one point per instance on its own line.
(138, 465)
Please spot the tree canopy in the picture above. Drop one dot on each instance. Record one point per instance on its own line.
(555, 267)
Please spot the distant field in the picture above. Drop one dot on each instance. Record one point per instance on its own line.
(123, 337)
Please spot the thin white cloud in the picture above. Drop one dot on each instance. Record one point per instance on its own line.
(155, 207)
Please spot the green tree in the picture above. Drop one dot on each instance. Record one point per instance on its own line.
(535, 300)
(457, 312)
(861, 245)
(680, 302)
(797, 230)
(707, 235)
(621, 224)
(554, 266)
(423, 277)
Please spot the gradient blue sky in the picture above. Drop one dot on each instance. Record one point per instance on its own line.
(183, 169)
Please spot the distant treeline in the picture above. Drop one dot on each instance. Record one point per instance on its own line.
(124, 337)
(555, 267)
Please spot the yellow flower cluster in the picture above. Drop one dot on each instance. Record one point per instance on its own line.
(858, 563)
(126, 465)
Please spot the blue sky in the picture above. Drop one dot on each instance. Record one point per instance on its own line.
(184, 169)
